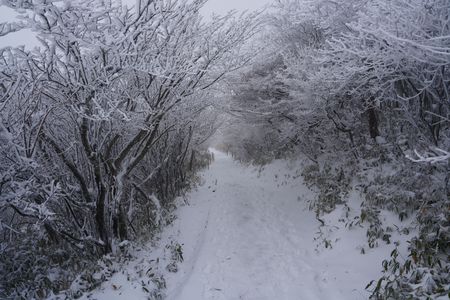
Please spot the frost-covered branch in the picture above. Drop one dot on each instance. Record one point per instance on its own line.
(10, 27)
(437, 156)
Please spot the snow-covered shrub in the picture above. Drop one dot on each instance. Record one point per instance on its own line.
(425, 273)
(176, 256)
(51, 267)
(333, 186)
(405, 189)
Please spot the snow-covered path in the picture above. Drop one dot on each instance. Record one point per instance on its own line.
(248, 234)
(251, 245)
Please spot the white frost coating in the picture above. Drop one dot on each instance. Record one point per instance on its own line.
(438, 156)
(157, 204)
(5, 136)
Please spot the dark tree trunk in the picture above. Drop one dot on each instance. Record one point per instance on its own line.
(191, 161)
(101, 221)
(373, 123)
(120, 227)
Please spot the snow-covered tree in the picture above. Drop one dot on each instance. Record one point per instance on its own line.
(104, 115)
(366, 83)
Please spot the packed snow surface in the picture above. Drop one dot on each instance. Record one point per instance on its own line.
(247, 233)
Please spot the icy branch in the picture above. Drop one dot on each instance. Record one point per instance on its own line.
(437, 156)
(9, 27)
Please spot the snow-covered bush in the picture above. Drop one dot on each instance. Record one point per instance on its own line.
(333, 186)
(425, 273)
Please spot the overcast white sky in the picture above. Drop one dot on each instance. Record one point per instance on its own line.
(26, 37)
(223, 6)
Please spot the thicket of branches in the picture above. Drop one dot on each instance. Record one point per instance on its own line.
(357, 86)
(101, 128)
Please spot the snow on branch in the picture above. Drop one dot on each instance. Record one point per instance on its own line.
(9, 27)
(437, 156)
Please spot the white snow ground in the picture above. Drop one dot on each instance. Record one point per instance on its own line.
(248, 234)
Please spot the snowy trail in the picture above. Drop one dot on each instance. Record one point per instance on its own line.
(250, 235)
(246, 235)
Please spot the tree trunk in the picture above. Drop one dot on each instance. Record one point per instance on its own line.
(100, 221)
(120, 227)
(373, 123)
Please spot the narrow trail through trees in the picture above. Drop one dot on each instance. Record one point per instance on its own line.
(249, 235)
(251, 248)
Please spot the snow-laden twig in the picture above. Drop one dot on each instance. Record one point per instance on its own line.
(438, 156)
